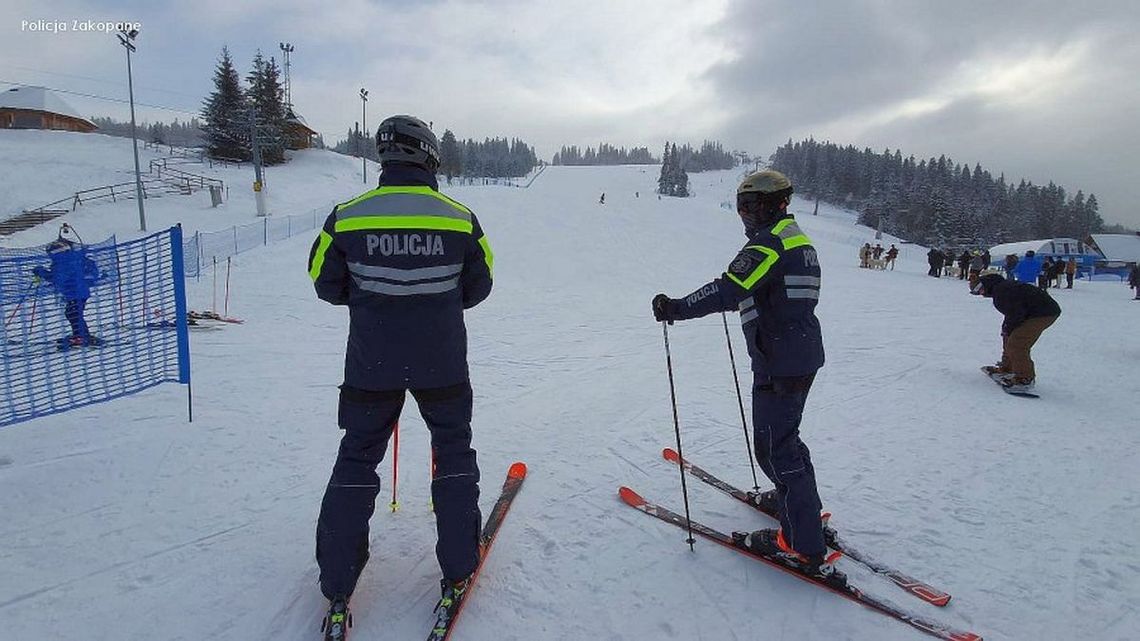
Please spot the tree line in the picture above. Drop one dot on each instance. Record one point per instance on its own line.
(935, 201)
(605, 154)
(234, 115)
(676, 162)
(177, 134)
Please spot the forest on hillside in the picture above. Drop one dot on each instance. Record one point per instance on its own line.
(936, 200)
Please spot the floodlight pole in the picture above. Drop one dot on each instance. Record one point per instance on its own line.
(364, 130)
(126, 39)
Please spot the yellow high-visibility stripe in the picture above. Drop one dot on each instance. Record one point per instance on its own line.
(487, 255)
(795, 241)
(405, 189)
(323, 244)
(441, 223)
(770, 258)
(790, 242)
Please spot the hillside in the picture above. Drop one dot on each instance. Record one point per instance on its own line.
(129, 523)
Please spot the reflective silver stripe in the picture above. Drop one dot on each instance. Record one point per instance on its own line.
(748, 317)
(801, 280)
(393, 273)
(789, 231)
(802, 293)
(746, 304)
(402, 205)
(380, 287)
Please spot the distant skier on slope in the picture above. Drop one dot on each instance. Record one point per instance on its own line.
(774, 283)
(1028, 312)
(407, 261)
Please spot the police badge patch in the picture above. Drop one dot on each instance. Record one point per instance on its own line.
(743, 266)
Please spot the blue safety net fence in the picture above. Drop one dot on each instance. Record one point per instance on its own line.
(89, 323)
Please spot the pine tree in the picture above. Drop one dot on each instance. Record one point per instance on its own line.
(663, 181)
(267, 99)
(450, 162)
(224, 114)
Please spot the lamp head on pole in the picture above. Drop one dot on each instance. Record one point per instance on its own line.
(126, 38)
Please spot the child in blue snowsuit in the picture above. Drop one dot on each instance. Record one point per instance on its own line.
(72, 273)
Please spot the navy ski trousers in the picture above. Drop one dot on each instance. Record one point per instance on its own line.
(777, 408)
(368, 418)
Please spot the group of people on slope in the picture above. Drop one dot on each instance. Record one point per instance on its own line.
(969, 264)
(1046, 273)
(877, 256)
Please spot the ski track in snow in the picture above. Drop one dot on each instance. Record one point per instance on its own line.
(131, 523)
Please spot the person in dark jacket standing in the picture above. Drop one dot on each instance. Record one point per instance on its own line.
(934, 258)
(1028, 312)
(1134, 279)
(892, 254)
(774, 283)
(72, 274)
(406, 260)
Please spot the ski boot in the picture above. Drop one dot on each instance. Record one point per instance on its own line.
(68, 342)
(998, 372)
(337, 622)
(765, 501)
(770, 543)
(451, 595)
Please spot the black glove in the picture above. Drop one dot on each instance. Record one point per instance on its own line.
(663, 309)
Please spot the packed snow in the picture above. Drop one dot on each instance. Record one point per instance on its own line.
(124, 521)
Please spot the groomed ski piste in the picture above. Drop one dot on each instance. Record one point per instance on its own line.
(122, 521)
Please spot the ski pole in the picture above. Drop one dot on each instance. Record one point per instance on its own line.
(214, 304)
(740, 402)
(226, 304)
(24, 297)
(431, 475)
(395, 504)
(677, 430)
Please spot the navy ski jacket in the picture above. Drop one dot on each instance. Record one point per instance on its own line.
(407, 261)
(774, 282)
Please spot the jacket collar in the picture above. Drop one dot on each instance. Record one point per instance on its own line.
(401, 174)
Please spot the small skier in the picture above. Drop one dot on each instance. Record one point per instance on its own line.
(1028, 312)
(73, 274)
(602, 200)
(1134, 279)
(774, 283)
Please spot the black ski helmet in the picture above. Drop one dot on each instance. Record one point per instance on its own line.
(407, 139)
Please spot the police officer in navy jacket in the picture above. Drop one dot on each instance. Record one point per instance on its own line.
(774, 283)
(407, 261)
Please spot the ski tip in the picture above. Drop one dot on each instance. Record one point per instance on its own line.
(966, 636)
(630, 497)
(670, 454)
(517, 470)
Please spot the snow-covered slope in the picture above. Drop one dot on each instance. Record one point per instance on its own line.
(44, 166)
(126, 522)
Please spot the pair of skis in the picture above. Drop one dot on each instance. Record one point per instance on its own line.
(447, 616)
(912, 586)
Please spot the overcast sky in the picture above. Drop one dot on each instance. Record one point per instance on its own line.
(1041, 89)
